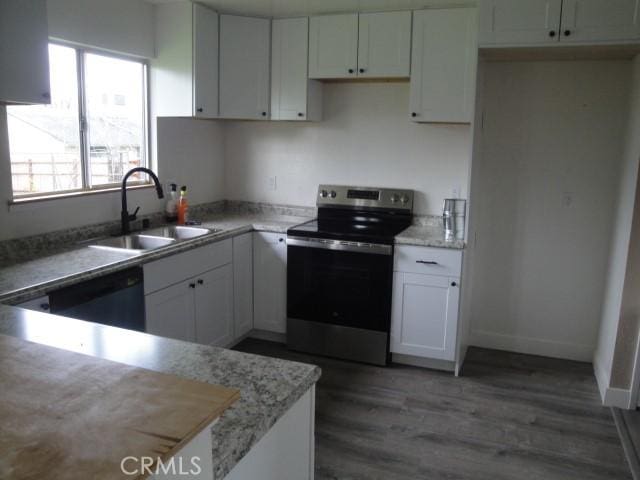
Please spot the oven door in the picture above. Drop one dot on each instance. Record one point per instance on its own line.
(339, 283)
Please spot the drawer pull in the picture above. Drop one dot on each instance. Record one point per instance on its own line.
(425, 262)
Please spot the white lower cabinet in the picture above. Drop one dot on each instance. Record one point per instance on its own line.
(199, 309)
(189, 296)
(243, 284)
(424, 318)
(270, 282)
(170, 312)
(214, 306)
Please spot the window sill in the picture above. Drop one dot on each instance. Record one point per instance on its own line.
(79, 194)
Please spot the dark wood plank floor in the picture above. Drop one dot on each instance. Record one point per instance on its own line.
(509, 416)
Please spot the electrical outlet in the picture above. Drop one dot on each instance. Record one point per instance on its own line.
(272, 183)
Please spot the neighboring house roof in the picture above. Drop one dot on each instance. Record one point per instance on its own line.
(113, 132)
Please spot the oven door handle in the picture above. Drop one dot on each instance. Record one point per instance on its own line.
(340, 245)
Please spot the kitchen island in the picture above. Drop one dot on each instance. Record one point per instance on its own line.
(273, 393)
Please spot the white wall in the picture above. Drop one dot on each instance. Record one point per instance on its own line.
(365, 138)
(619, 252)
(189, 152)
(551, 130)
(124, 26)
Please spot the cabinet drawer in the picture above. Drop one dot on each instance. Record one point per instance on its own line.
(179, 267)
(430, 261)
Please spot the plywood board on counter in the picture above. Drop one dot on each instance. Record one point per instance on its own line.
(65, 415)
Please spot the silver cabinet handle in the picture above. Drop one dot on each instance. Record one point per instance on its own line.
(425, 262)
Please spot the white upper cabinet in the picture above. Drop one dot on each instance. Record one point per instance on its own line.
(365, 45)
(552, 22)
(515, 22)
(443, 65)
(205, 62)
(333, 46)
(293, 95)
(244, 67)
(600, 20)
(24, 55)
(384, 44)
(184, 74)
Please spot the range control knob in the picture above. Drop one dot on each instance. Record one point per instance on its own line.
(324, 194)
(333, 194)
(404, 199)
(395, 198)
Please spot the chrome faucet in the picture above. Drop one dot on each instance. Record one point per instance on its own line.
(124, 215)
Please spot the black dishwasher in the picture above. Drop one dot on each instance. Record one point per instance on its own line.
(116, 299)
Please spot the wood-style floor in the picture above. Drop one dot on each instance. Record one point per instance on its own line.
(509, 416)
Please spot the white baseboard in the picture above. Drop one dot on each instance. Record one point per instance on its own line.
(532, 346)
(617, 397)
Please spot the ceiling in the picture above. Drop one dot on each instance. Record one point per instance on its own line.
(291, 8)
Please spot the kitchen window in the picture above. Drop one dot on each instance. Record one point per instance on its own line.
(92, 133)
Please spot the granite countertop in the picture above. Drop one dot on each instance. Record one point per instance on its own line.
(31, 279)
(427, 236)
(268, 386)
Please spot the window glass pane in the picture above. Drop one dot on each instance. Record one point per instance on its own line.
(114, 91)
(44, 140)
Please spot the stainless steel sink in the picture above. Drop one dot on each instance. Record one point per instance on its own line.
(133, 243)
(180, 232)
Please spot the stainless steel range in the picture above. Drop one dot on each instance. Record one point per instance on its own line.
(340, 270)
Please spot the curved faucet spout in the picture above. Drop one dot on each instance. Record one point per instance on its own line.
(125, 217)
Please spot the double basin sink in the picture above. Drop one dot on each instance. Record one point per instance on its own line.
(151, 239)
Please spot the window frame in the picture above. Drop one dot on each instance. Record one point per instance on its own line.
(83, 129)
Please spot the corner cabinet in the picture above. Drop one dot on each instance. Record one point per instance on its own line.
(425, 303)
(244, 67)
(270, 282)
(184, 74)
(554, 22)
(24, 53)
(243, 284)
(293, 95)
(189, 296)
(443, 65)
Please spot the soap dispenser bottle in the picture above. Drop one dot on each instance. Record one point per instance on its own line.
(183, 207)
(171, 208)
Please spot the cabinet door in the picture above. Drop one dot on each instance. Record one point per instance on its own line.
(424, 315)
(242, 284)
(443, 65)
(270, 282)
(205, 62)
(333, 46)
(600, 20)
(293, 95)
(244, 67)
(170, 312)
(384, 45)
(24, 53)
(214, 307)
(519, 22)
